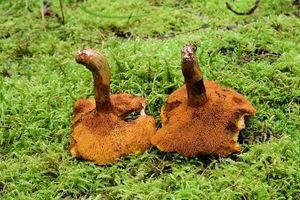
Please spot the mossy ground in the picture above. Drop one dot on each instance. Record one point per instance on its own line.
(257, 55)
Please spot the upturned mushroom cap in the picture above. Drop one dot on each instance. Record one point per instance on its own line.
(100, 133)
(201, 117)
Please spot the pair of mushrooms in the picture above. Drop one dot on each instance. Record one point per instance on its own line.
(199, 118)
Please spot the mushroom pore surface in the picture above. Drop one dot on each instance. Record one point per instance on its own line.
(100, 133)
(201, 117)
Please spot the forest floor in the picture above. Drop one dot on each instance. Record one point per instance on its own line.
(258, 55)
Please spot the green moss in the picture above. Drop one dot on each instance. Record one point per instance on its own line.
(257, 55)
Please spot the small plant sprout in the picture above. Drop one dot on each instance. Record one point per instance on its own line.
(201, 117)
(100, 132)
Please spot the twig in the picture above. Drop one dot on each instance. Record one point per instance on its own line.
(6, 127)
(289, 109)
(62, 12)
(90, 40)
(10, 9)
(43, 15)
(62, 70)
(162, 188)
(189, 31)
(251, 11)
(26, 5)
(112, 16)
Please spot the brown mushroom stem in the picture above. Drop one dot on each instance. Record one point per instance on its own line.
(193, 76)
(98, 65)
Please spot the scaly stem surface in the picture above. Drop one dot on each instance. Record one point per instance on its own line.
(193, 76)
(98, 65)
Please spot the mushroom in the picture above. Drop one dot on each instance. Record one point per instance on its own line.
(201, 117)
(100, 133)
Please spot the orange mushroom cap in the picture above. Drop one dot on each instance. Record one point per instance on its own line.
(100, 133)
(201, 117)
